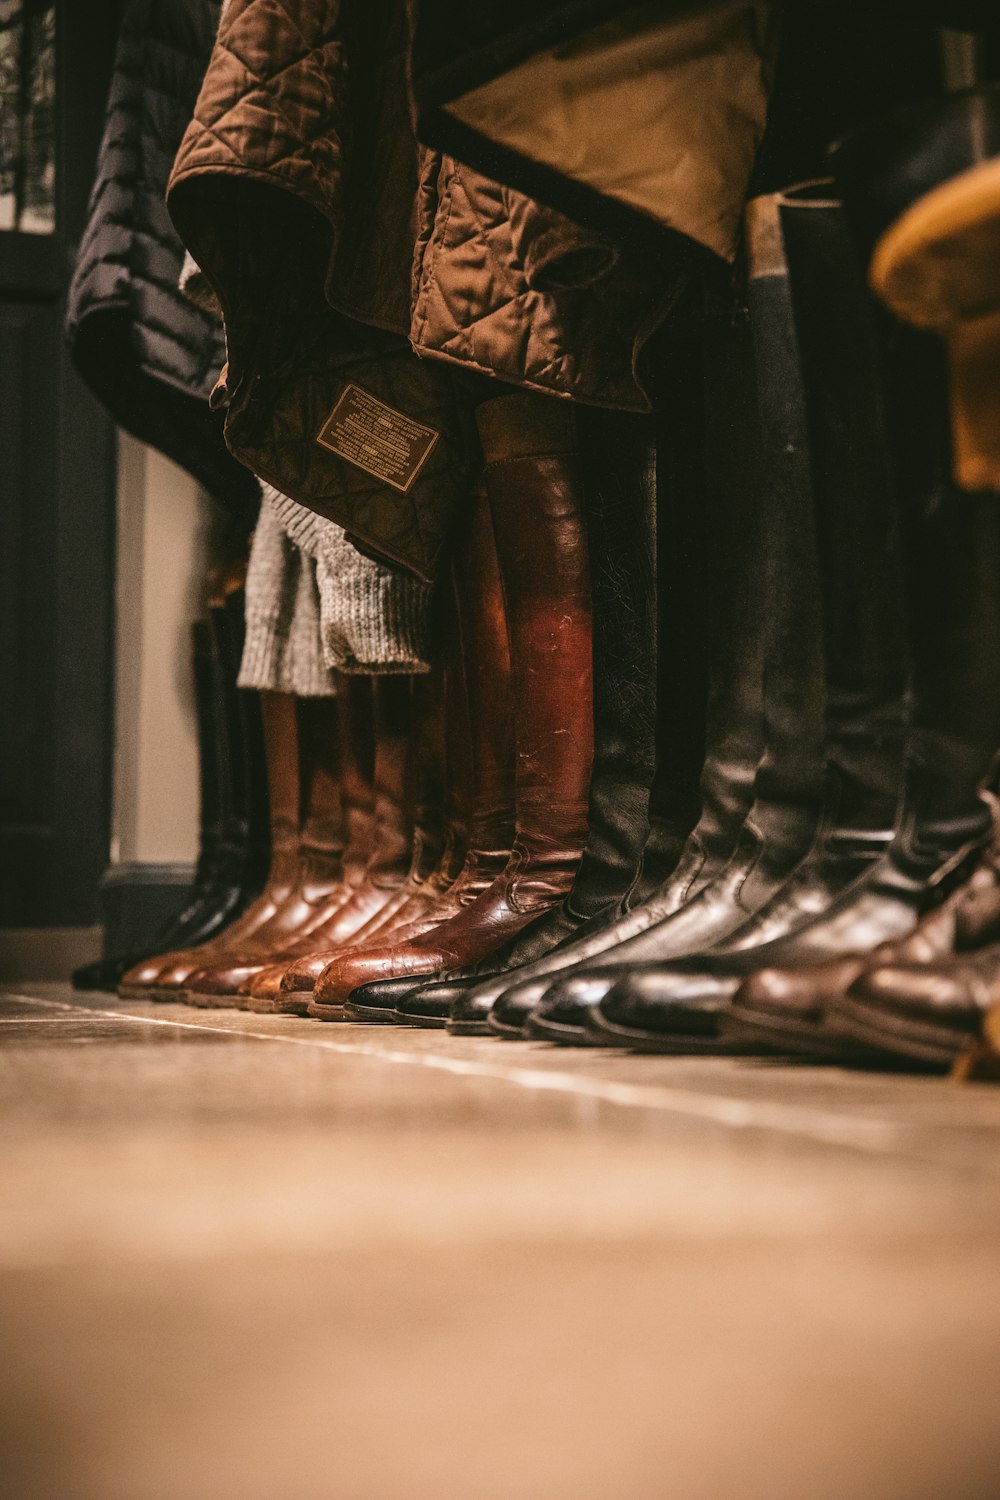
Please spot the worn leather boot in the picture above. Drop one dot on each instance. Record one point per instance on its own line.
(821, 396)
(480, 757)
(954, 563)
(436, 854)
(617, 452)
(619, 469)
(308, 830)
(280, 739)
(326, 902)
(708, 627)
(779, 583)
(532, 477)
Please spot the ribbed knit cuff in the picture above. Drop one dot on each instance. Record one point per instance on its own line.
(373, 620)
(283, 652)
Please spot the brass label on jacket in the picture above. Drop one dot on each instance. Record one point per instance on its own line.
(377, 438)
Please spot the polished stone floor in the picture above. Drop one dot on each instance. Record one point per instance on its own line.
(263, 1258)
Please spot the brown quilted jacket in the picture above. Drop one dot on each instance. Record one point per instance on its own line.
(300, 190)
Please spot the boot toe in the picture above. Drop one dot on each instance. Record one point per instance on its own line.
(378, 1000)
(102, 974)
(353, 971)
(218, 985)
(469, 1011)
(143, 976)
(514, 1006)
(430, 1005)
(661, 1008)
(561, 1012)
(300, 977)
(942, 995)
(785, 1010)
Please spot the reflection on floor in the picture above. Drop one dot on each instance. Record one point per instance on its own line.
(261, 1258)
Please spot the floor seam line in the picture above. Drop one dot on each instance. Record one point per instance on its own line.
(872, 1136)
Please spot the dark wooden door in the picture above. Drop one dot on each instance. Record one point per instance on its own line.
(57, 473)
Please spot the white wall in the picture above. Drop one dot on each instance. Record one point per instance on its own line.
(163, 522)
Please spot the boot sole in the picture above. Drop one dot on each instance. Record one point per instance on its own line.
(675, 1044)
(505, 1033)
(208, 1002)
(326, 1012)
(368, 1014)
(777, 1037)
(936, 1046)
(292, 1004)
(562, 1036)
(424, 1023)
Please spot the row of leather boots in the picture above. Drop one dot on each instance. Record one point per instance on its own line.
(704, 764)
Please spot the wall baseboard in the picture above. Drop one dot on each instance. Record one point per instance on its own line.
(45, 953)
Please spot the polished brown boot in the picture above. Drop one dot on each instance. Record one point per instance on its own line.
(339, 906)
(479, 754)
(317, 871)
(439, 840)
(278, 713)
(532, 479)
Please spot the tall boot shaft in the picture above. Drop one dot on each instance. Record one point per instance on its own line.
(427, 794)
(392, 830)
(532, 477)
(801, 240)
(249, 766)
(210, 773)
(322, 834)
(714, 623)
(487, 689)
(279, 724)
(356, 743)
(618, 459)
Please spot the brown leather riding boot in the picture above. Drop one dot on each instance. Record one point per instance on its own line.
(479, 754)
(278, 715)
(341, 908)
(531, 476)
(438, 846)
(319, 869)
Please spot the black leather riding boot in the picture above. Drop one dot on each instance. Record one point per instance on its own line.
(105, 972)
(951, 547)
(721, 620)
(821, 382)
